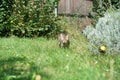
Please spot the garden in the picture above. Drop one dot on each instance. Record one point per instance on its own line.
(29, 47)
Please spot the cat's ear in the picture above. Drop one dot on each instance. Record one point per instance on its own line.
(60, 37)
(67, 37)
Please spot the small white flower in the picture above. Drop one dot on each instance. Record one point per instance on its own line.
(96, 62)
(67, 55)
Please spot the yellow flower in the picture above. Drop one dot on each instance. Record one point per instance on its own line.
(103, 48)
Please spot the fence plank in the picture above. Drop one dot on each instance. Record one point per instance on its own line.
(81, 7)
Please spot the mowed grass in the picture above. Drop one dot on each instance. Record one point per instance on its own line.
(54, 63)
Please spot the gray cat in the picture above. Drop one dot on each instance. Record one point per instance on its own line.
(64, 40)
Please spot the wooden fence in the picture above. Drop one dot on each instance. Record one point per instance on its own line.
(81, 7)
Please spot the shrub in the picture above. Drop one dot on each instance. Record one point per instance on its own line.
(5, 13)
(29, 19)
(106, 33)
(100, 7)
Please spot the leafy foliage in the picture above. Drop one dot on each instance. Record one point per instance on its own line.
(27, 18)
(5, 13)
(101, 6)
(106, 32)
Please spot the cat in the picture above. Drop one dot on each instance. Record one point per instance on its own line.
(64, 40)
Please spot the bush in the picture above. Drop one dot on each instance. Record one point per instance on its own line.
(5, 13)
(28, 19)
(100, 7)
(106, 33)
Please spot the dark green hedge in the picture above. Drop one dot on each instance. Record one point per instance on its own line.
(25, 18)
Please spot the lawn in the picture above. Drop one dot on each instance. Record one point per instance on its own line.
(24, 58)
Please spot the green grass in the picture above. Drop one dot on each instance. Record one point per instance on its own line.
(23, 58)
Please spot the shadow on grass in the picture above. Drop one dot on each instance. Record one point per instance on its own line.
(17, 68)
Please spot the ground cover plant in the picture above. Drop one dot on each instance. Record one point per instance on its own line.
(106, 32)
(19, 56)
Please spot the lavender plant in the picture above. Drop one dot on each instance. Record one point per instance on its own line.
(106, 33)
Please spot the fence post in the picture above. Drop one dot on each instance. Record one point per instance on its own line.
(68, 6)
(56, 9)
